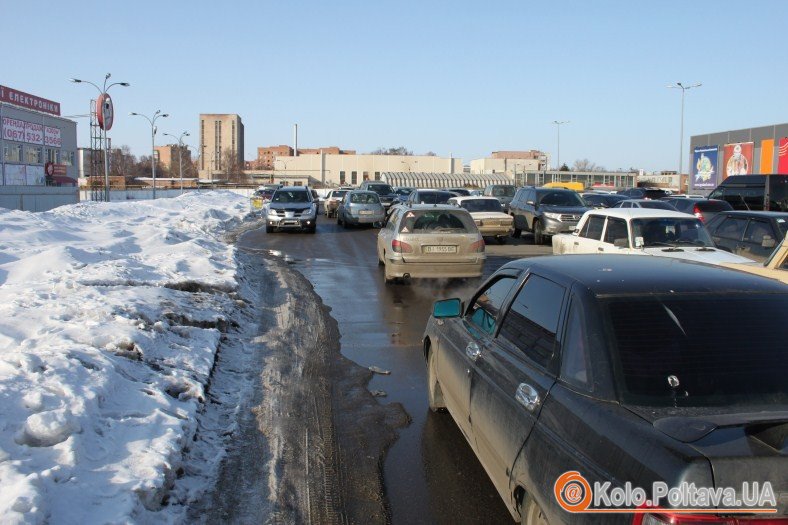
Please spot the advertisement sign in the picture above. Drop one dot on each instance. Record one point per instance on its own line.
(13, 129)
(25, 100)
(52, 138)
(34, 133)
(105, 111)
(15, 175)
(737, 159)
(59, 170)
(782, 156)
(34, 176)
(704, 167)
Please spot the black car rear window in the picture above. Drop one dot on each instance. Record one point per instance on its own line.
(474, 205)
(712, 205)
(433, 197)
(433, 221)
(381, 189)
(716, 349)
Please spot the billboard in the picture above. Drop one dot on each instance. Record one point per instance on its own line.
(26, 100)
(704, 167)
(737, 159)
(782, 156)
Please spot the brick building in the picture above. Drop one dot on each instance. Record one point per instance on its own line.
(267, 154)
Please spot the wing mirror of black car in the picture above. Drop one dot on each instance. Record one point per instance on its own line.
(447, 308)
(768, 242)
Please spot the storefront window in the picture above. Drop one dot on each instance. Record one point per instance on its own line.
(12, 152)
(67, 158)
(53, 155)
(32, 154)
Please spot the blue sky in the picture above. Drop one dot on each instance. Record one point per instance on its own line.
(465, 78)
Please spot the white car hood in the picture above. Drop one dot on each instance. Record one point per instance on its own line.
(488, 215)
(710, 256)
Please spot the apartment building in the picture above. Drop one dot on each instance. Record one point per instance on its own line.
(221, 145)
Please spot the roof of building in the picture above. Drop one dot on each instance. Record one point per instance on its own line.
(444, 180)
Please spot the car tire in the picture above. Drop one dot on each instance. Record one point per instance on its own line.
(516, 233)
(380, 261)
(339, 219)
(434, 392)
(269, 229)
(501, 239)
(313, 229)
(532, 513)
(539, 235)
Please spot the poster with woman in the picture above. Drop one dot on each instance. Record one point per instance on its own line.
(737, 159)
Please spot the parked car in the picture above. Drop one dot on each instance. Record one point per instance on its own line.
(620, 369)
(502, 192)
(291, 207)
(602, 200)
(640, 231)
(462, 192)
(775, 267)
(754, 192)
(751, 234)
(645, 203)
(430, 241)
(422, 196)
(360, 207)
(333, 199)
(384, 191)
(487, 213)
(546, 212)
(702, 208)
(645, 193)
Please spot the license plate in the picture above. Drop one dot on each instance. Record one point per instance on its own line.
(440, 249)
(366, 212)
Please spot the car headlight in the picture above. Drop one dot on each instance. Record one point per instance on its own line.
(551, 215)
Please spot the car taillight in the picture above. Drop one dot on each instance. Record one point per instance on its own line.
(676, 518)
(697, 213)
(401, 247)
(477, 247)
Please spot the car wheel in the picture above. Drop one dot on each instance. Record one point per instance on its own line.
(313, 229)
(501, 239)
(269, 229)
(380, 261)
(434, 392)
(516, 233)
(532, 513)
(339, 219)
(539, 235)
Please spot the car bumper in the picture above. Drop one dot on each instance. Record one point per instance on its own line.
(494, 231)
(365, 219)
(553, 227)
(397, 268)
(288, 223)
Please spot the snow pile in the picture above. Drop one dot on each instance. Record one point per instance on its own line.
(111, 315)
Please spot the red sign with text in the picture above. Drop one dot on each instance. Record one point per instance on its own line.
(26, 100)
(782, 156)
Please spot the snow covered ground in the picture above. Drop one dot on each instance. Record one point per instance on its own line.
(111, 315)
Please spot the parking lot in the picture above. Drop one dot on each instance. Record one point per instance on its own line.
(430, 470)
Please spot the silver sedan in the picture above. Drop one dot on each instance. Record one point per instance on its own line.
(360, 207)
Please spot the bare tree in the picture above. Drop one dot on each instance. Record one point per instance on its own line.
(586, 165)
(402, 150)
(430, 154)
(232, 166)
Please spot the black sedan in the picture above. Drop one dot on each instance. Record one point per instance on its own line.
(751, 234)
(617, 370)
(602, 200)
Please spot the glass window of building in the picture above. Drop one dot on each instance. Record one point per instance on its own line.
(12, 152)
(32, 154)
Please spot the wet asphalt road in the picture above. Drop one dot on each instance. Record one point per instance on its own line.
(431, 475)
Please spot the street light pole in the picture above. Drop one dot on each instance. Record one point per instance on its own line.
(104, 123)
(683, 88)
(152, 121)
(558, 138)
(180, 153)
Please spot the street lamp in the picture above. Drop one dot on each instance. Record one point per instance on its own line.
(558, 134)
(102, 96)
(180, 153)
(152, 121)
(683, 88)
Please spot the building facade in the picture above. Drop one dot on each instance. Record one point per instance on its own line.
(343, 169)
(170, 155)
(221, 145)
(511, 162)
(266, 155)
(36, 141)
(716, 156)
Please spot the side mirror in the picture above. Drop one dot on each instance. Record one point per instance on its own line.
(621, 243)
(639, 243)
(530, 203)
(446, 308)
(768, 242)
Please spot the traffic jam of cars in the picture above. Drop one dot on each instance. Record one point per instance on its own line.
(637, 375)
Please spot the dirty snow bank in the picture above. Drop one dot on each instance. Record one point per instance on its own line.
(111, 315)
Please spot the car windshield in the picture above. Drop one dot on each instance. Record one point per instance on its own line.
(715, 349)
(291, 196)
(338, 194)
(433, 197)
(560, 198)
(381, 189)
(432, 221)
(670, 231)
(403, 191)
(503, 191)
(364, 198)
(474, 205)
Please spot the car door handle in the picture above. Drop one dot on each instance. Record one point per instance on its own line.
(527, 396)
(577, 243)
(473, 351)
(600, 249)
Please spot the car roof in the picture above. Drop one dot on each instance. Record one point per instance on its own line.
(294, 188)
(542, 189)
(754, 213)
(423, 207)
(431, 190)
(464, 198)
(638, 213)
(632, 275)
(362, 191)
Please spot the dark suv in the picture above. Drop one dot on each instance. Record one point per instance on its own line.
(754, 192)
(546, 211)
(385, 191)
(645, 193)
(291, 208)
